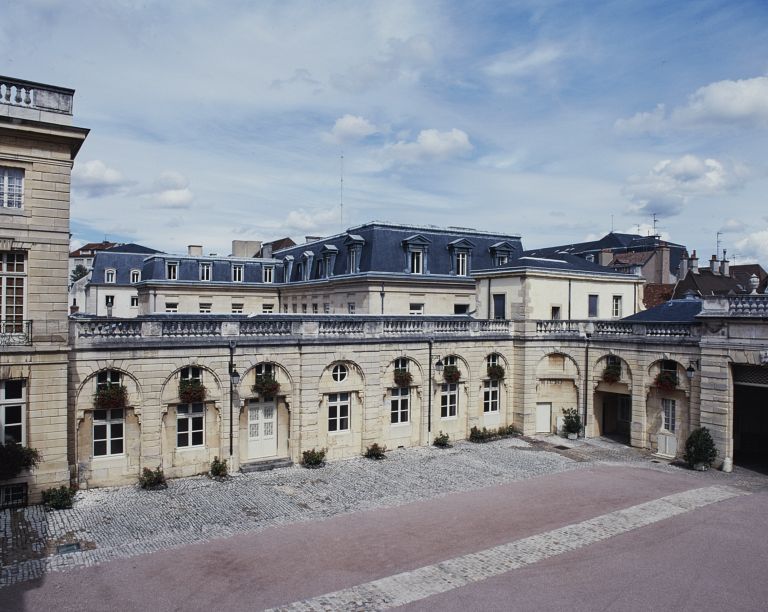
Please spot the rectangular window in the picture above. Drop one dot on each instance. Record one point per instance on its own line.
(294, 308)
(315, 309)
(555, 313)
(190, 425)
(669, 418)
(501, 260)
(237, 273)
(205, 308)
(285, 308)
(109, 301)
(109, 276)
(11, 187)
(303, 309)
(616, 307)
(12, 401)
(398, 404)
(417, 262)
(460, 308)
(449, 400)
(327, 308)
(12, 280)
(415, 308)
(205, 271)
(267, 308)
(338, 412)
(461, 263)
(351, 307)
(135, 276)
(108, 432)
(268, 274)
(352, 262)
(499, 306)
(191, 373)
(171, 307)
(237, 308)
(593, 303)
(13, 495)
(105, 378)
(134, 300)
(172, 270)
(491, 396)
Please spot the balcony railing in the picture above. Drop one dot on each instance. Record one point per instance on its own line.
(89, 329)
(15, 333)
(39, 99)
(616, 329)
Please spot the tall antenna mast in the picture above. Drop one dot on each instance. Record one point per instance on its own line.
(717, 244)
(341, 193)
(654, 224)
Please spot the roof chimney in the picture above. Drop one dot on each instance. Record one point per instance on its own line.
(195, 250)
(725, 268)
(693, 262)
(245, 248)
(682, 270)
(714, 265)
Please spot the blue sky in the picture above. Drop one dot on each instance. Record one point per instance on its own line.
(554, 120)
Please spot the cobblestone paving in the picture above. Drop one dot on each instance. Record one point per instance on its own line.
(114, 523)
(414, 585)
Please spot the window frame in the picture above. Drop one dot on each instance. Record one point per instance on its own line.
(399, 405)
(339, 372)
(416, 261)
(449, 410)
(268, 274)
(616, 306)
(172, 270)
(237, 307)
(205, 271)
(205, 307)
(191, 411)
(171, 307)
(112, 417)
(416, 309)
(110, 276)
(669, 415)
(491, 396)
(238, 273)
(12, 196)
(134, 301)
(14, 402)
(13, 291)
(339, 412)
(135, 276)
(462, 263)
(590, 301)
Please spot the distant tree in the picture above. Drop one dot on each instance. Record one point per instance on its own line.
(79, 272)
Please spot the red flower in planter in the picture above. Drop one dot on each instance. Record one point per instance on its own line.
(451, 374)
(403, 378)
(191, 391)
(666, 380)
(111, 396)
(266, 384)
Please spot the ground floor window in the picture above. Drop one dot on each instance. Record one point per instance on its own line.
(12, 401)
(491, 396)
(338, 412)
(108, 432)
(449, 400)
(669, 418)
(190, 425)
(399, 402)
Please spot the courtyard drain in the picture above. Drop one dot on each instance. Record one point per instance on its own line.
(65, 549)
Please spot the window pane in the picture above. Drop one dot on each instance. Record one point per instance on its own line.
(99, 432)
(14, 389)
(116, 413)
(197, 423)
(197, 438)
(117, 447)
(182, 409)
(332, 411)
(343, 423)
(332, 425)
(99, 415)
(183, 425)
(12, 415)
(116, 430)
(183, 439)
(100, 448)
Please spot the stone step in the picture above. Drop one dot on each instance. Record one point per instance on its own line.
(264, 465)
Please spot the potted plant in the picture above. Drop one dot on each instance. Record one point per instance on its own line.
(14, 458)
(265, 384)
(403, 378)
(495, 372)
(612, 373)
(666, 380)
(571, 423)
(191, 391)
(700, 450)
(111, 396)
(451, 374)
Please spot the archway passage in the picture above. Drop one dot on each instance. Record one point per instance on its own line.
(750, 416)
(613, 415)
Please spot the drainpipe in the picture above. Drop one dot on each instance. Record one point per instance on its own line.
(588, 329)
(381, 293)
(429, 395)
(489, 304)
(569, 299)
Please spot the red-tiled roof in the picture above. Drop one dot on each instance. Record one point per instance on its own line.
(88, 249)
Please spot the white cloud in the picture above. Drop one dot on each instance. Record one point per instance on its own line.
(753, 247)
(742, 102)
(171, 190)
(733, 225)
(432, 145)
(350, 128)
(303, 220)
(521, 62)
(672, 183)
(95, 179)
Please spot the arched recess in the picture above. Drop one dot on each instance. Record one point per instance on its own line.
(612, 398)
(191, 432)
(108, 439)
(402, 416)
(264, 416)
(493, 391)
(341, 407)
(668, 414)
(557, 388)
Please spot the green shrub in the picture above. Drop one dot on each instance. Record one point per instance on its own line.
(152, 479)
(571, 420)
(374, 451)
(14, 458)
(700, 448)
(218, 468)
(313, 458)
(403, 378)
(612, 373)
(508, 431)
(59, 498)
(111, 396)
(481, 435)
(666, 380)
(266, 385)
(451, 374)
(442, 440)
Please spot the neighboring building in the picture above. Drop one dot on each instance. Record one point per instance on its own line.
(85, 254)
(713, 280)
(38, 145)
(654, 259)
(111, 287)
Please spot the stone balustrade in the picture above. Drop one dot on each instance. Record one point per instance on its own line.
(37, 101)
(89, 330)
(617, 329)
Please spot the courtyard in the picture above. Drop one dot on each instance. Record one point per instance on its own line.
(542, 521)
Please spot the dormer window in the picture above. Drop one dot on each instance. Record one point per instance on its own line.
(172, 270)
(237, 273)
(109, 276)
(268, 274)
(416, 254)
(135, 276)
(501, 253)
(502, 260)
(461, 263)
(417, 262)
(354, 244)
(205, 271)
(461, 252)
(328, 263)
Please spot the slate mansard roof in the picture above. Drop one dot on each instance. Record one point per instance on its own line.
(560, 263)
(383, 249)
(188, 269)
(674, 311)
(122, 263)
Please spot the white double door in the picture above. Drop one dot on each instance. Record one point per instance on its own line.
(262, 429)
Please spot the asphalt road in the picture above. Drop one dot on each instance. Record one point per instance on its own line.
(714, 557)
